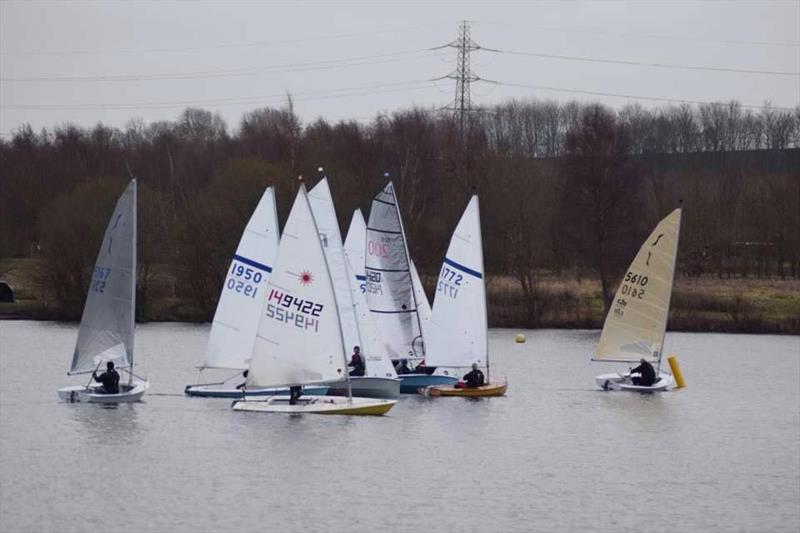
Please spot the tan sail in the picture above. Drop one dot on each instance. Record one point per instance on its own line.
(635, 324)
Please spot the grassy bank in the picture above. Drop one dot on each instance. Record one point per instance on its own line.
(698, 304)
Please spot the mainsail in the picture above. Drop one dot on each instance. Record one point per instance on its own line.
(233, 331)
(376, 360)
(390, 290)
(459, 323)
(299, 339)
(329, 235)
(635, 324)
(106, 329)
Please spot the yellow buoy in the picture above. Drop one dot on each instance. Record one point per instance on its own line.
(520, 338)
(676, 372)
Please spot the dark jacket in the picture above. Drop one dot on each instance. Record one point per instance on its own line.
(647, 372)
(358, 365)
(474, 378)
(402, 368)
(110, 381)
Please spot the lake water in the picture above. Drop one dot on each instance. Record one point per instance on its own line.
(555, 454)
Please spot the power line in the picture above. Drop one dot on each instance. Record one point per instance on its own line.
(642, 36)
(631, 96)
(229, 73)
(312, 95)
(644, 63)
(218, 46)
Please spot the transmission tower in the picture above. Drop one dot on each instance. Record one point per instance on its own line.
(463, 75)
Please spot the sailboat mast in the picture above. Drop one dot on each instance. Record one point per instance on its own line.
(408, 267)
(483, 282)
(669, 297)
(133, 279)
(335, 301)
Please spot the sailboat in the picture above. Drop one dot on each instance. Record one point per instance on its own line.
(106, 331)
(636, 324)
(300, 340)
(369, 385)
(459, 324)
(391, 293)
(233, 329)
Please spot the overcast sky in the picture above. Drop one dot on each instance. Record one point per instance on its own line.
(343, 60)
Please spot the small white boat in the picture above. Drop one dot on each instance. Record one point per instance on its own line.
(106, 331)
(233, 330)
(299, 339)
(458, 335)
(636, 324)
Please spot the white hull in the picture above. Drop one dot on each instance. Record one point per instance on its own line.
(622, 382)
(316, 405)
(83, 394)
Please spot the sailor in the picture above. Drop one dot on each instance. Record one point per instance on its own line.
(402, 367)
(109, 379)
(294, 394)
(357, 362)
(244, 383)
(474, 378)
(646, 374)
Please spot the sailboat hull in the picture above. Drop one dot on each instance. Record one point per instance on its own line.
(484, 391)
(368, 387)
(217, 391)
(411, 383)
(91, 394)
(622, 382)
(321, 405)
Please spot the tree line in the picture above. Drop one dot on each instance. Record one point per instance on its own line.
(566, 189)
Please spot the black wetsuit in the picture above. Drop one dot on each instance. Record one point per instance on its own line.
(402, 368)
(358, 366)
(294, 394)
(110, 381)
(647, 372)
(474, 379)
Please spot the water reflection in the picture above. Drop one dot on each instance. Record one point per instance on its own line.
(109, 424)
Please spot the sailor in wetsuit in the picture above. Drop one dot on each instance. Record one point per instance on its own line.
(647, 374)
(472, 379)
(402, 367)
(109, 379)
(294, 394)
(357, 362)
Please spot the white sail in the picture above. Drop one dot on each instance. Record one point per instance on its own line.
(233, 331)
(635, 324)
(459, 323)
(390, 291)
(106, 329)
(423, 306)
(299, 338)
(377, 362)
(329, 235)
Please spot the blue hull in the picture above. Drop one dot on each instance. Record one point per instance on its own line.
(205, 391)
(409, 383)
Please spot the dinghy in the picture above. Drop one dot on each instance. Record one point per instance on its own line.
(233, 330)
(391, 293)
(458, 335)
(636, 324)
(300, 340)
(376, 382)
(106, 331)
